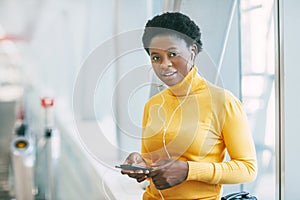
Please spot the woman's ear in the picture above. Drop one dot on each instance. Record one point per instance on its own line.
(194, 51)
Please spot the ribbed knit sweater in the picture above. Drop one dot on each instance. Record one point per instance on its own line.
(199, 122)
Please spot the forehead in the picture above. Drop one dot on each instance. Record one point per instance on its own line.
(165, 42)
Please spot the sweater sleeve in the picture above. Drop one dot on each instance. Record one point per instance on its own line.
(242, 166)
(144, 151)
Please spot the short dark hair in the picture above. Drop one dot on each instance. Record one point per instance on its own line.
(172, 23)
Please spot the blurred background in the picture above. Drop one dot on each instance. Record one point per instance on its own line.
(74, 78)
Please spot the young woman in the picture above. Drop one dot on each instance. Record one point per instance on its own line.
(188, 127)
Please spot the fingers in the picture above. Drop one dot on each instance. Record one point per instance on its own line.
(134, 158)
(142, 178)
(139, 175)
(145, 172)
(160, 166)
(160, 185)
(157, 179)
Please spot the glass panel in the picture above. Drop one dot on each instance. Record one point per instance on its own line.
(239, 44)
(258, 65)
(289, 12)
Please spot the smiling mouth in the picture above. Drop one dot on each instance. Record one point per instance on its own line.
(169, 74)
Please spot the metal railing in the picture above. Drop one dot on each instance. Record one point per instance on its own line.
(23, 159)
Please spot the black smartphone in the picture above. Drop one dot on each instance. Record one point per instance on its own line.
(133, 167)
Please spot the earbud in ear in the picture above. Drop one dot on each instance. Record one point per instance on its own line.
(193, 55)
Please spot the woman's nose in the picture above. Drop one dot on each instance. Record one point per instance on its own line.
(165, 63)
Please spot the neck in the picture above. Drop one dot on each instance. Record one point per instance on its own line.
(185, 86)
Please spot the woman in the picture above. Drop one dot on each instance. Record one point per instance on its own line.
(188, 127)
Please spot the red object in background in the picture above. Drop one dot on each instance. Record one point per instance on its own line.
(11, 38)
(47, 102)
(20, 114)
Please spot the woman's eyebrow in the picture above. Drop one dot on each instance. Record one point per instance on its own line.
(153, 53)
(167, 50)
(171, 48)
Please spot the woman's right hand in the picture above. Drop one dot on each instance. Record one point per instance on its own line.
(137, 159)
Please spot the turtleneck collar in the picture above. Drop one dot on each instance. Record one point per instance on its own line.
(191, 84)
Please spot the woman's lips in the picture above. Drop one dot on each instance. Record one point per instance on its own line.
(169, 74)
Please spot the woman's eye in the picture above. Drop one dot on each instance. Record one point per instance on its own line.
(173, 54)
(155, 58)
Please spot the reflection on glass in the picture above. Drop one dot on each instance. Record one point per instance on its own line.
(258, 64)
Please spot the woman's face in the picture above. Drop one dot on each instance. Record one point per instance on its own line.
(171, 58)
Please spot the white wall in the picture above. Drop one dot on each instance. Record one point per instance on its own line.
(218, 22)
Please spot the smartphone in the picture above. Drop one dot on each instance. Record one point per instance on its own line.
(133, 167)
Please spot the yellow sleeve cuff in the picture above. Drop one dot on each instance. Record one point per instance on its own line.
(200, 171)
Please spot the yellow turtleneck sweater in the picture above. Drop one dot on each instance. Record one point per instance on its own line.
(200, 121)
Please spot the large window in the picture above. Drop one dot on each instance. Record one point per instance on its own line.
(239, 54)
(258, 92)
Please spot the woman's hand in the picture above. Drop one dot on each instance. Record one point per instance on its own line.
(168, 173)
(139, 175)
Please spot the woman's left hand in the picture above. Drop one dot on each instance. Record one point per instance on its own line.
(168, 173)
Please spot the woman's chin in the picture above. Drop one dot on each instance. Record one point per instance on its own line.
(172, 80)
